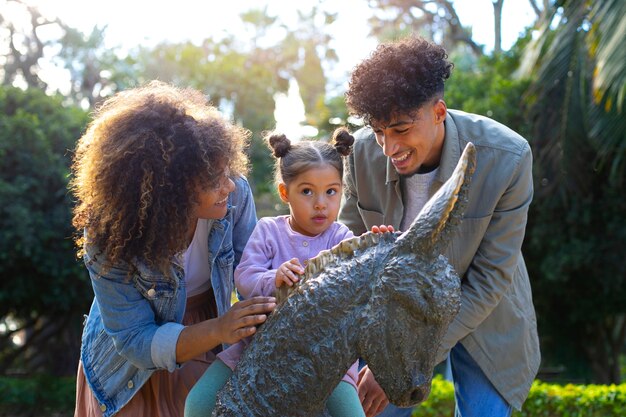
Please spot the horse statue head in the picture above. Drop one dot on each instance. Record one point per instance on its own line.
(387, 298)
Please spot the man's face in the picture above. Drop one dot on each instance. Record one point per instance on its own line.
(413, 141)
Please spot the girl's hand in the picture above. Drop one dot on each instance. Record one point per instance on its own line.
(242, 318)
(372, 396)
(382, 229)
(287, 273)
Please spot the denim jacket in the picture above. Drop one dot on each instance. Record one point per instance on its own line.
(135, 319)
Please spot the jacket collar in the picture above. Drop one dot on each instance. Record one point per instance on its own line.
(392, 174)
(451, 150)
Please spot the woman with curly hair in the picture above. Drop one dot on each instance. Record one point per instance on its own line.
(163, 213)
(409, 148)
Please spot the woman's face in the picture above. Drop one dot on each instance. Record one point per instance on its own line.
(212, 202)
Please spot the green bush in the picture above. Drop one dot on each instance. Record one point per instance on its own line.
(41, 395)
(574, 400)
(440, 402)
(544, 400)
(47, 395)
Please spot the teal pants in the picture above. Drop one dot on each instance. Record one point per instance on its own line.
(343, 402)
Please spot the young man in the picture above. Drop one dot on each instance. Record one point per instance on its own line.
(408, 149)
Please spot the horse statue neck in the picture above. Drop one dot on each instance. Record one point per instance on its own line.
(388, 298)
(315, 337)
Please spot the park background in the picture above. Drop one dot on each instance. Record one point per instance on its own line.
(560, 81)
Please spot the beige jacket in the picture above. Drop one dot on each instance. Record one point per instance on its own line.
(496, 323)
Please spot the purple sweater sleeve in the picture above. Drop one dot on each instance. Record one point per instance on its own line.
(254, 275)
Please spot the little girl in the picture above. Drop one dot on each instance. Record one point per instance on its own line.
(309, 177)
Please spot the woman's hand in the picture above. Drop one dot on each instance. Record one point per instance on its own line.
(238, 322)
(242, 318)
(288, 273)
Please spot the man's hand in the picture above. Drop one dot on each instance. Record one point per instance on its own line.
(382, 229)
(372, 396)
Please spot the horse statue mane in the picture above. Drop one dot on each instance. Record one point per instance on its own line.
(387, 298)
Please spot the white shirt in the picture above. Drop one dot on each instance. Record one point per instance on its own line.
(196, 260)
(415, 194)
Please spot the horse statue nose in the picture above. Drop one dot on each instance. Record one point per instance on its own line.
(421, 388)
(419, 394)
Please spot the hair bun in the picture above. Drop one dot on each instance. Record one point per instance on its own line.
(343, 141)
(279, 144)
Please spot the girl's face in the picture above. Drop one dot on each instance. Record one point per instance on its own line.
(212, 201)
(313, 197)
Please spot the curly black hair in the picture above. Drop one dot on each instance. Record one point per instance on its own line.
(138, 168)
(398, 78)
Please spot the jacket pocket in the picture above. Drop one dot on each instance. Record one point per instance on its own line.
(225, 265)
(159, 292)
(465, 242)
(226, 257)
(370, 217)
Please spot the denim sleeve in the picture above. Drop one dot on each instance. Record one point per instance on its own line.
(244, 218)
(128, 318)
(163, 349)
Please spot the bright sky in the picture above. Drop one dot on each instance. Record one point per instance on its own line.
(133, 22)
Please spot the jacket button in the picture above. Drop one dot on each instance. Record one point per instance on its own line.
(305, 243)
(103, 407)
(151, 292)
(130, 385)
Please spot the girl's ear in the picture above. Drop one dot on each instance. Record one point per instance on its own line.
(282, 192)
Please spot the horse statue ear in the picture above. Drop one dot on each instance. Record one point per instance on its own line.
(429, 232)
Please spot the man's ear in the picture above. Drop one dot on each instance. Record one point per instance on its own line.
(441, 111)
(282, 192)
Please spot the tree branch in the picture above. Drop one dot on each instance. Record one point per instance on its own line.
(456, 28)
(536, 9)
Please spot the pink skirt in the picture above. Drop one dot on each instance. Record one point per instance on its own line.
(164, 394)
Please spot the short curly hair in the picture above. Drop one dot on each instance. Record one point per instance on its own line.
(398, 78)
(137, 170)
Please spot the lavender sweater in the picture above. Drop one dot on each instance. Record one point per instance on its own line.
(272, 243)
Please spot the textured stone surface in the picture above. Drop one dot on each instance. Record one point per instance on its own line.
(387, 298)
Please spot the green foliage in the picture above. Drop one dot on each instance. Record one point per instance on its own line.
(40, 275)
(45, 395)
(544, 400)
(37, 396)
(486, 86)
(574, 401)
(576, 232)
(95, 70)
(440, 402)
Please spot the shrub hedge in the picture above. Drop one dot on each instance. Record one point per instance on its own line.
(40, 395)
(544, 400)
(46, 395)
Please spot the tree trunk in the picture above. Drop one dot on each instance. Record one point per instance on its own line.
(605, 348)
(497, 18)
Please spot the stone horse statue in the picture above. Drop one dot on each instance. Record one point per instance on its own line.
(387, 298)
